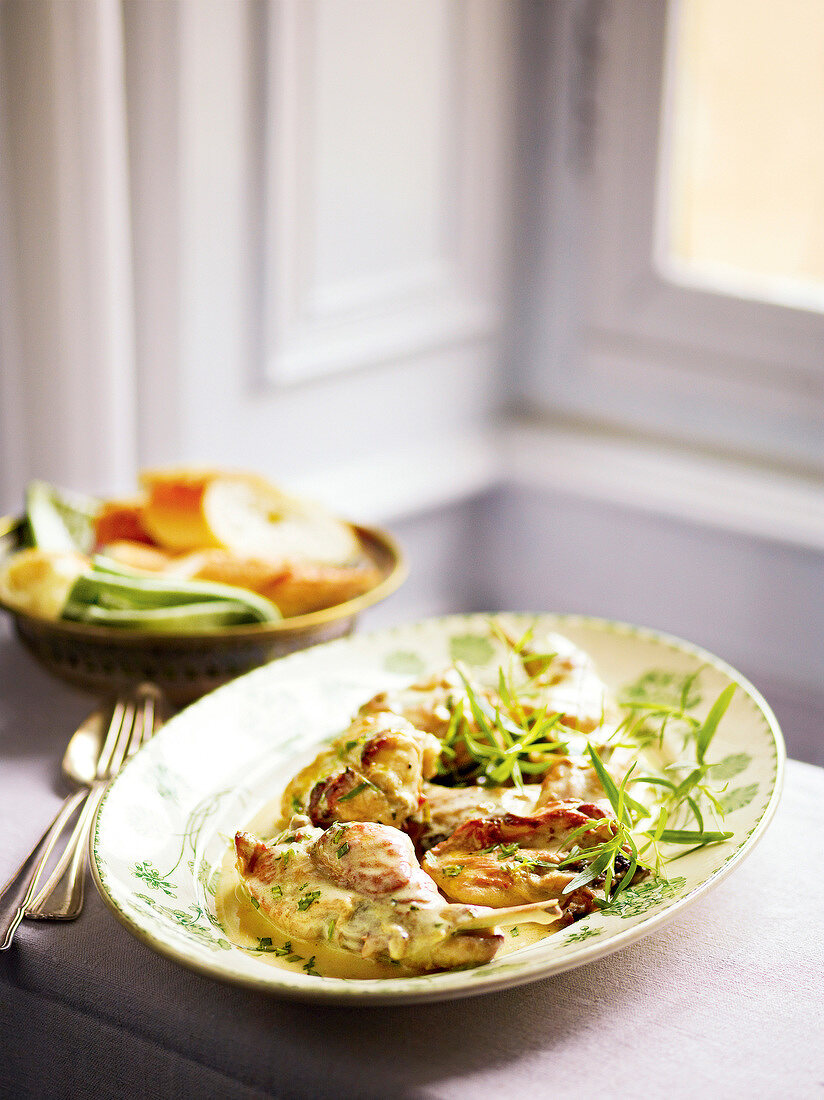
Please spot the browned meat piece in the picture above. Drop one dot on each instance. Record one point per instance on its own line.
(446, 808)
(513, 859)
(359, 887)
(575, 777)
(373, 772)
(428, 705)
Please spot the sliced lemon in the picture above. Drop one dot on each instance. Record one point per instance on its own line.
(173, 510)
(39, 581)
(191, 510)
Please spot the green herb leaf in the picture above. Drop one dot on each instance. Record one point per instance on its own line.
(354, 792)
(308, 900)
(692, 836)
(608, 783)
(707, 731)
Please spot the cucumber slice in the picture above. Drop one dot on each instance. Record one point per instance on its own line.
(60, 520)
(112, 588)
(211, 615)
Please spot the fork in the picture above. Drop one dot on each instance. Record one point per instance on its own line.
(18, 894)
(135, 718)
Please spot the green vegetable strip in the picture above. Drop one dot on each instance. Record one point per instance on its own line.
(137, 595)
(192, 616)
(59, 520)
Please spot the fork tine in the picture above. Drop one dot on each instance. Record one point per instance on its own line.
(143, 717)
(147, 727)
(156, 710)
(148, 717)
(123, 738)
(104, 761)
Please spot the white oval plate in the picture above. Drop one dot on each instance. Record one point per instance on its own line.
(164, 826)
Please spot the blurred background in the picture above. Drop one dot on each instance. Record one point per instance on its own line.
(536, 284)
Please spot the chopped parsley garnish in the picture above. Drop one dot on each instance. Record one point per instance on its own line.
(309, 967)
(277, 891)
(308, 900)
(344, 848)
(355, 791)
(456, 869)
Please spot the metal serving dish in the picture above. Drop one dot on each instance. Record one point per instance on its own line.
(185, 666)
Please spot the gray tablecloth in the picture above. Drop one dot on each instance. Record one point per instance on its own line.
(726, 1001)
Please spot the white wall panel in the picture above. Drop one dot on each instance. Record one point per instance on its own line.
(379, 154)
(336, 213)
(373, 134)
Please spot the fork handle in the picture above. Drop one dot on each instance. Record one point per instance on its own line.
(61, 896)
(18, 892)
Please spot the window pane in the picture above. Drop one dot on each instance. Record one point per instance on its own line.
(743, 168)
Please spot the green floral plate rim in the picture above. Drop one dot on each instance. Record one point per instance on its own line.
(162, 830)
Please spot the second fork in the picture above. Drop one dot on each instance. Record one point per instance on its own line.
(134, 719)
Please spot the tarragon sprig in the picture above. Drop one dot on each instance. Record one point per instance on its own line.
(502, 747)
(618, 858)
(635, 726)
(680, 803)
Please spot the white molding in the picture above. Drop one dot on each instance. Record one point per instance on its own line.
(154, 74)
(312, 328)
(409, 480)
(69, 201)
(14, 460)
(694, 489)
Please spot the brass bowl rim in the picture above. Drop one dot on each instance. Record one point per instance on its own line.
(395, 575)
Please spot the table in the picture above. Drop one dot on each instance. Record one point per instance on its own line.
(726, 1001)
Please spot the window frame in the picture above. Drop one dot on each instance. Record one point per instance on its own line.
(622, 341)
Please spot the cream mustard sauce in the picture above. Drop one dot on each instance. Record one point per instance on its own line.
(248, 928)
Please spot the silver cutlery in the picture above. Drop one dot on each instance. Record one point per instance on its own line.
(91, 761)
